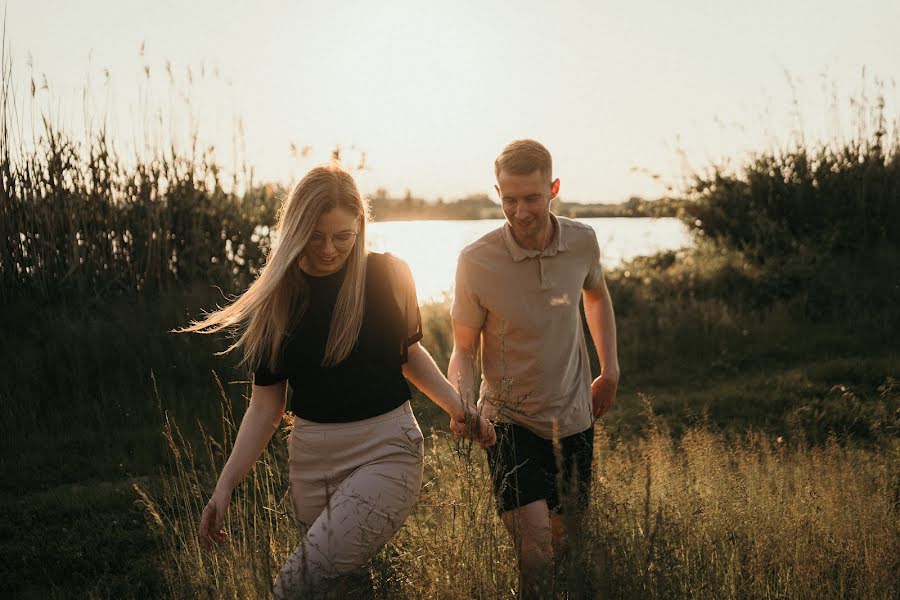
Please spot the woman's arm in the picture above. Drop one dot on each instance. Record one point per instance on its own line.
(425, 375)
(261, 420)
(259, 423)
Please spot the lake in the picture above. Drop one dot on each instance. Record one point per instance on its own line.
(432, 247)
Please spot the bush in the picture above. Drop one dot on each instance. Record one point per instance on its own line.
(831, 200)
(75, 220)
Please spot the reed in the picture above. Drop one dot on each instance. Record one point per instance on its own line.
(78, 220)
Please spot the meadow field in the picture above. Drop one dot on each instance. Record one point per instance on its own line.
(753, 451)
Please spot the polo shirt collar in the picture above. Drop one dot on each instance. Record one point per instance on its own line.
(518, 253)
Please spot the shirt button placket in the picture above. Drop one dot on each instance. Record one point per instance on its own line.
(544, 283)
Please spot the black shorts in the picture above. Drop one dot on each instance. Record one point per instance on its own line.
(524, 468)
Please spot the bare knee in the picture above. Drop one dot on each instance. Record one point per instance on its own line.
(536, 568)
(535, 555)
(558, 532)
(530, 528)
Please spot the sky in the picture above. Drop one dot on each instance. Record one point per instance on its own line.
(629, 96)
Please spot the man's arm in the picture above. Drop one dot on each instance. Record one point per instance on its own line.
(601, 320)
(461, 369)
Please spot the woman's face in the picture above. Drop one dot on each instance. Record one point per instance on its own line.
(331, 243)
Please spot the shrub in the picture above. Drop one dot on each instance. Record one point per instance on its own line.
(831, 200)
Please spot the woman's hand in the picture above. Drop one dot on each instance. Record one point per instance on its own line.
(262, 418)
(475, 427)
(212, 520)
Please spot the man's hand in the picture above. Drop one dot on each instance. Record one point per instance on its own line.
(485, 436)
(603, 394)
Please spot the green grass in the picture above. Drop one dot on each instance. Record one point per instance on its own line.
(87, 374)
(87, 539)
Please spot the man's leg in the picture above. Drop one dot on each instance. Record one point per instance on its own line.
(574, 456)
(529, 527)
(523, 477)
(557, 532)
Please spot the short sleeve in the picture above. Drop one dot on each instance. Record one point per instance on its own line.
(594, 275)
(264, 376)
(466, 308)
(405, 291)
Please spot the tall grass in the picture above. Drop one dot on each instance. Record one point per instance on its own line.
(705, 516)
(258, 519)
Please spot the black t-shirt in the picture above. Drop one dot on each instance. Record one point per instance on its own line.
(369, 382)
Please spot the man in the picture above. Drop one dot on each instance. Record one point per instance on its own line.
(517, 296)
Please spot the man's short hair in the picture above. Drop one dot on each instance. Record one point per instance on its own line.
(524, 157)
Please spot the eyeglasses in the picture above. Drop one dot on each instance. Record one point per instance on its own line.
(341, 240)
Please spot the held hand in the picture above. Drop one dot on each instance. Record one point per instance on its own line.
(603, 394)
(458, 428)
(212, 520)
(486, 436)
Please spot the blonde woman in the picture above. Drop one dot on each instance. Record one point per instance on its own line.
(342, 326)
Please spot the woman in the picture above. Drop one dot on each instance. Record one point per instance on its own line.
(342, 326)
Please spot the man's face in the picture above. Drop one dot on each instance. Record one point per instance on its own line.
(526, 204)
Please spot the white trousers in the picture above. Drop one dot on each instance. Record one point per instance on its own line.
(352, 485)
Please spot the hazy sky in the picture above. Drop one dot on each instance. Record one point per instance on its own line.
(431, 91)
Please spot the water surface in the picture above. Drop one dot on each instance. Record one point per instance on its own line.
(432, 247)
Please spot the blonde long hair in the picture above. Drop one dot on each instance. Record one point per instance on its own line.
(260, 316)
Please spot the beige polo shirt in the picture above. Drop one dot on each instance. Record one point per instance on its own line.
(535, 369)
